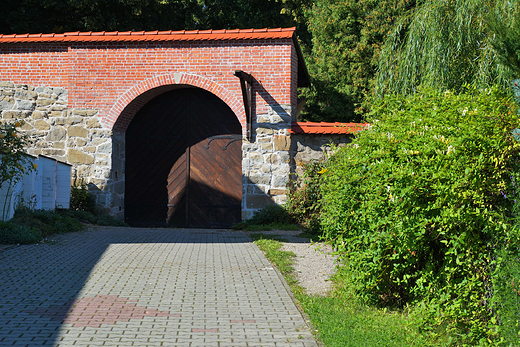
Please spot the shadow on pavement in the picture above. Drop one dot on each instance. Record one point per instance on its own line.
(41, 283)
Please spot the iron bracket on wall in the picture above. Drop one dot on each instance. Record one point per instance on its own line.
(246, 83)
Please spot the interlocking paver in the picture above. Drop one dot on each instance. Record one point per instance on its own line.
(146, 287)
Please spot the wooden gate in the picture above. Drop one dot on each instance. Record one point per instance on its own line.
(184, 162)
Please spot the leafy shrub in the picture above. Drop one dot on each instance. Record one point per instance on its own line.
(45, 222)
(11, 234)
(506, 275)
(89, 217)
(83, 208)
(301, 209)
(506, 293)
(417, 204)
(31, 226)
(269, 215)
(303, 203)
(15, 163)
(81, 199)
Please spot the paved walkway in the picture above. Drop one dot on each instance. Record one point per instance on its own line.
(146, 287)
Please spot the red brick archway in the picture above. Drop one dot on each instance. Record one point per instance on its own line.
(121, 114)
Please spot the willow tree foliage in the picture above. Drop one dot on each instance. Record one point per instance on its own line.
(504, 22)
(346, 41)
(444, 44)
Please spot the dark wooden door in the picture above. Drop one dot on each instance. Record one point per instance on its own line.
(183, 162)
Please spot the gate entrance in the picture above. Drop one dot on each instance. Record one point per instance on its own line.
(183, 163)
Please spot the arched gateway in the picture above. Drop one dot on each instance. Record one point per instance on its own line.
(184, 162)
(166, 128)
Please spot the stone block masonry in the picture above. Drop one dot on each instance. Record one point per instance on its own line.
(266, 161)
(308, 148)
(78, 137)
(74, 136)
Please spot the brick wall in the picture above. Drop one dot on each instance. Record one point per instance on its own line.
(106, 83)
(107, 76)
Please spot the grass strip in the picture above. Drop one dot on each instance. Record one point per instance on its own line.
(338, 320)
(32, 226)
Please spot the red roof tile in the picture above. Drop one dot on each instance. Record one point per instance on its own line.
(326, 128)
(195, 35)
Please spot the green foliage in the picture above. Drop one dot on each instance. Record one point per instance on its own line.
(266, 227)
(346, 42)
(303, 203)
(504, 22)
(45, 222)
(506, 293)
(14, 162)
(506, 275)
(270, 214)
(14, 233)
(415, 204)
(31, 226)
(46, 16)
(271, 245)
(442, 45)
(81, 199)
(269, 218)
(92, 218)
(341, 322)
(302, 209)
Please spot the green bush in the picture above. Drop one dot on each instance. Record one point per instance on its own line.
(270, 214)
(506, 276)
(45, 222)
(11, 234)
(417, 206)
(506, 293)
(81, 199)
(31, 226)
(89, 217)
(83, 208)
(303, 203)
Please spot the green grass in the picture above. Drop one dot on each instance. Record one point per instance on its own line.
(32, 226)
(283, 260)
(338, 320)
(267, 227)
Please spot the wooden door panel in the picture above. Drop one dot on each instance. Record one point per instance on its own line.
(216, 181)
(154, 140)
(177, 189)
(184, 158)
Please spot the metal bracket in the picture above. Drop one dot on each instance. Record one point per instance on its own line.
(231, 138)
(246, 84)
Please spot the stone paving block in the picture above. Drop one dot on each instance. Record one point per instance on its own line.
(146, 287)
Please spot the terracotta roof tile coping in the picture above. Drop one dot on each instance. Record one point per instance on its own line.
(194, 35)
(326, 128)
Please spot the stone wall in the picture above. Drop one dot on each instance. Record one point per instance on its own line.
(307, 148)
(77, 137)
(266, 160)
(74, 136)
